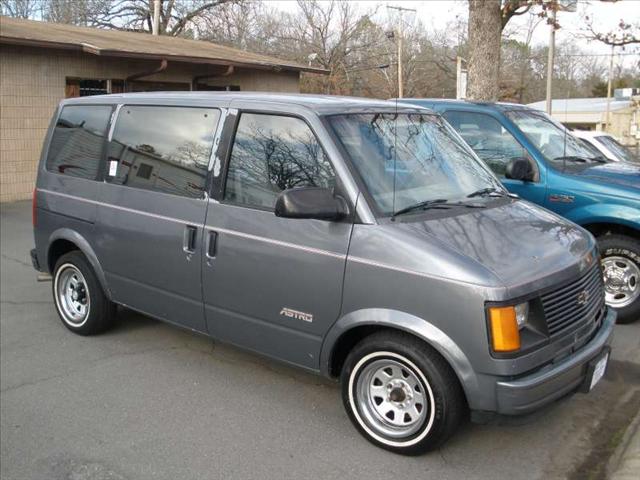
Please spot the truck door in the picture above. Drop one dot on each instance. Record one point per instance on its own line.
(494, 144)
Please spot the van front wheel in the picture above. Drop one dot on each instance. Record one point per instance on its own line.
(401, 394)
(81, 304)
(621, 267)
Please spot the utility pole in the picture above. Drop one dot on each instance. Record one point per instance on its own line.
(156, 17)
(400, 35)
(555, 6)
(609, 81)
(461, 79)
(552, 47)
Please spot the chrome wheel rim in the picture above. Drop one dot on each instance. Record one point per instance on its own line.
(72, 295)
(392, 398)
(621, 277)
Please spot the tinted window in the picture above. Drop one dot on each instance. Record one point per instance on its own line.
(405, 159)
(273, 153)
(488, 138)
(165, 149)
(77, 141)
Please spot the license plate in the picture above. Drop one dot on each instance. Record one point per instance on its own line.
(598, 371)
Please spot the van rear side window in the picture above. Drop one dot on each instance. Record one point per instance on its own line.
(164, 149)
(78, 138)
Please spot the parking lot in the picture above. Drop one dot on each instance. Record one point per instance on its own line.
(151, 401)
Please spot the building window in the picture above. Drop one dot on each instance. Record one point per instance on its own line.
(217, 88)
(85, 88)
(93, 87)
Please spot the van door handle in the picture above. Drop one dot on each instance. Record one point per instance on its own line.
(189, 240)
(212, 244)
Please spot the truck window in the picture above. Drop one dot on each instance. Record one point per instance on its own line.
(77, 142)
(273, 153)
(164, 149)
(487, 137)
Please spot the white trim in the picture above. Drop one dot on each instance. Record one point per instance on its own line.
(219, 230)
(354, 409)
(280, 243)
(118, 207)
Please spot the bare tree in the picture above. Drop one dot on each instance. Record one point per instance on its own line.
(20, 8)
(176, 16)
(487, 19)
(624, 34)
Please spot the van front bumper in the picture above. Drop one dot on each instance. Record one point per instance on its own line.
(533, 391)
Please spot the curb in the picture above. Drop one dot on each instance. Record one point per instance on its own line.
(625, 462)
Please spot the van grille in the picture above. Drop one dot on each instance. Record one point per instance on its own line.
(574, 302)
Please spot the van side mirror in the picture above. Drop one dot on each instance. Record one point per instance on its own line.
(519, 168)
(310, 202)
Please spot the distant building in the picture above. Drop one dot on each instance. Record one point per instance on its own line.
(42, 63)
(591, 114)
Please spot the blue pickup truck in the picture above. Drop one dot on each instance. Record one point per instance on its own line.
(538, 159)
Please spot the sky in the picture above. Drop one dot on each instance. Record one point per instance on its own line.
(436, 13)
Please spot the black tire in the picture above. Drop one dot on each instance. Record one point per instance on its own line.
(445, 401)
(627, 248)
(100, 312)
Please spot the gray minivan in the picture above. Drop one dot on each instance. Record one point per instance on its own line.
(358, 239)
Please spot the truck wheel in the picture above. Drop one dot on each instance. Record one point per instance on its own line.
(621, 266)
(401, 394)
(81, 304)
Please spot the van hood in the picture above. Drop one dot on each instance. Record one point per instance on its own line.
(620, 174)
(518, 242)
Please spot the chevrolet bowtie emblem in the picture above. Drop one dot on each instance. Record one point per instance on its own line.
(583, 298)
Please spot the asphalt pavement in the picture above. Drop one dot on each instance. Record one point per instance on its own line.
(151, 401)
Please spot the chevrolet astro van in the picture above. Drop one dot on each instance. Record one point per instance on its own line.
(554, 169)
(353, 238)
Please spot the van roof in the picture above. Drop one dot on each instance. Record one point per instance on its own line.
(321, 104)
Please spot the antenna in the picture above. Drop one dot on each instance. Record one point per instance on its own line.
(401, 10)
(395, 157)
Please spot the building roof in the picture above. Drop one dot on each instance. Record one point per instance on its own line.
(586, 105)
(113, 43)
(321, 104)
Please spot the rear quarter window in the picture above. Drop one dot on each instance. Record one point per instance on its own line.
(78, 140)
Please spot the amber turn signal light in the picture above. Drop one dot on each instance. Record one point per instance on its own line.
(505, 335)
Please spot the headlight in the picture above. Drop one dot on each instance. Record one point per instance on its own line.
(505, 325)
(522, 314)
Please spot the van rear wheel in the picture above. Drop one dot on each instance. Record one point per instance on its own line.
(621, 267)
(80, 301)
(401, 394)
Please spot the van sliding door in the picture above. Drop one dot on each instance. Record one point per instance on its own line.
(152, 209)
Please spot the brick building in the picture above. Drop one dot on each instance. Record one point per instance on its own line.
(42, 63)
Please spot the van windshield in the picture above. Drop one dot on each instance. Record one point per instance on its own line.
(406, 159)
(553, 140)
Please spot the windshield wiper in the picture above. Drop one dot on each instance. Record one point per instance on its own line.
(486, 191)
(576, 158)
(425, 204)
